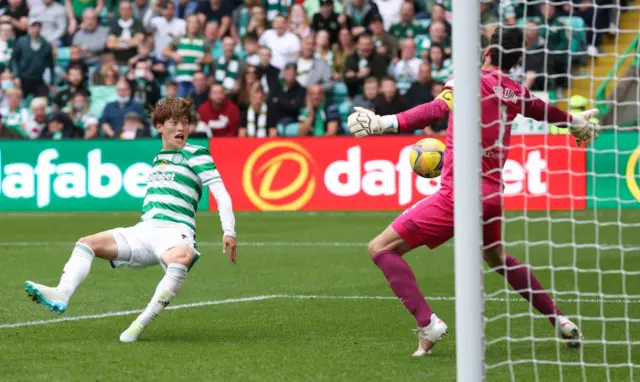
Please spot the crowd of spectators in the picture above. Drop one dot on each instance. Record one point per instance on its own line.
(90, 69)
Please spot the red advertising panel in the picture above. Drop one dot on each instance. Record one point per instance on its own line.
(344, 173)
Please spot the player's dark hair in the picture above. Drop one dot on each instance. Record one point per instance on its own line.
(506, 46)
(168, 108)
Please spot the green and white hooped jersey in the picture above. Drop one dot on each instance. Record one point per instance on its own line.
(176, 183)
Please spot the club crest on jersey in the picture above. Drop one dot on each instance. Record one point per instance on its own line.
(177, 158)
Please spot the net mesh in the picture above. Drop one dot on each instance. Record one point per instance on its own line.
(580, 229)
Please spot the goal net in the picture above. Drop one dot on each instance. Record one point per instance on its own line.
(578, 226)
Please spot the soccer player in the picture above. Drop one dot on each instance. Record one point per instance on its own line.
(166, 233)
(430, 221)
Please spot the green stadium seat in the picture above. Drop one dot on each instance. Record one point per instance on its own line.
(100, 97)
(339, 92)
(344, 108)
(63, 56)
(288, 130)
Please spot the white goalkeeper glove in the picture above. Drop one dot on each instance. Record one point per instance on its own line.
(365, 122)
(583, 129)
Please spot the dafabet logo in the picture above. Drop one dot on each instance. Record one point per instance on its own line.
(279, 176)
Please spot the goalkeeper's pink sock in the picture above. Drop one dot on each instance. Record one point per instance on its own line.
(522, 279)
(404, 285)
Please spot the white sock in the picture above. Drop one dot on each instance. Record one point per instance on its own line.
(166, 290)
(76, 269)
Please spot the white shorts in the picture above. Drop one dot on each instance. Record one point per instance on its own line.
(142, 245)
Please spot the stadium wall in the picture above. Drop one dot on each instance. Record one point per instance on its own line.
(542, 172)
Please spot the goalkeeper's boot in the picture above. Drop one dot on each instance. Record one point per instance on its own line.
(569, 332)
(132, 333)
(49, 297)
(428, 336)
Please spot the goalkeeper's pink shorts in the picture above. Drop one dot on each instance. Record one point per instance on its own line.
(430, 222)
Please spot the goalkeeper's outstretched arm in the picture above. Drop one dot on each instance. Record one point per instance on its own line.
(579, 125)
(365, 122)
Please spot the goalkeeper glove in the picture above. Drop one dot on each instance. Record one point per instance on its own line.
(582, 128)
(365, 122)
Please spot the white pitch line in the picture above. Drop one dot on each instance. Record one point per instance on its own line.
(283, 296)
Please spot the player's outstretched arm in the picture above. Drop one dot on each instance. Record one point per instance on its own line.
(227, 219)
(579, 125)
(364, 122)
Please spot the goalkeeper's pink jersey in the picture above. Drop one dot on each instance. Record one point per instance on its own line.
(502, 99)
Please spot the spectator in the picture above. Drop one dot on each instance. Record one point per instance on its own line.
(364, 63)
(190, 53)
(258, 120)
(258, 23)
(75, 12)
(439, 13)
(6, 83)
(81, 117)
(171, 89)
(91, 37)
(141, 9)
(298, 21)
(487, 15)
(386, 45)
(328, 20)
(273, 8)
(6, 45)
(367, 99)
(165, 28)
(312, 70)
(17, 14)
(200, 91)
(405, 71)
(439, 128)
(284, 45)
(112, 118)
(532, 71)
(345, 48)
(37, 120)
(407, 27)
(360, 12)
(75, 53)
(228, 66)
(389, 101)
(108, 74)
(31, 56)
(211, 35)
(251, 47)
(289, 97)
(323, 48)
(240, 19)
(158, 66)
(53, 17)
(420, 91)
(14, 115)
(215, 10)
(59, 126)
(219, 116)
(557, 44)
(143, 84)
(437, 35)
(134, 127)
(269, 74)
(125, 35)
(185, 8)
(441, 67)
(318, 118)
(75, 84)
(248, 79)
(390, 11)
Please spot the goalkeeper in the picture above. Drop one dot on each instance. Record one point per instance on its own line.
(430, 221)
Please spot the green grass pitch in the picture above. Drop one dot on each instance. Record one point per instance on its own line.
(221, 329)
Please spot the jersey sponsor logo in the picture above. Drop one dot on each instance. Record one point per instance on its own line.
(267, 176)
(447, 96)
(161, 177)
(505, 94)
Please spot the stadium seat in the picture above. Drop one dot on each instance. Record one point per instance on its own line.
(63, 56)
(344, 108)
(288, 130)
(339, 92)
(100, 97)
